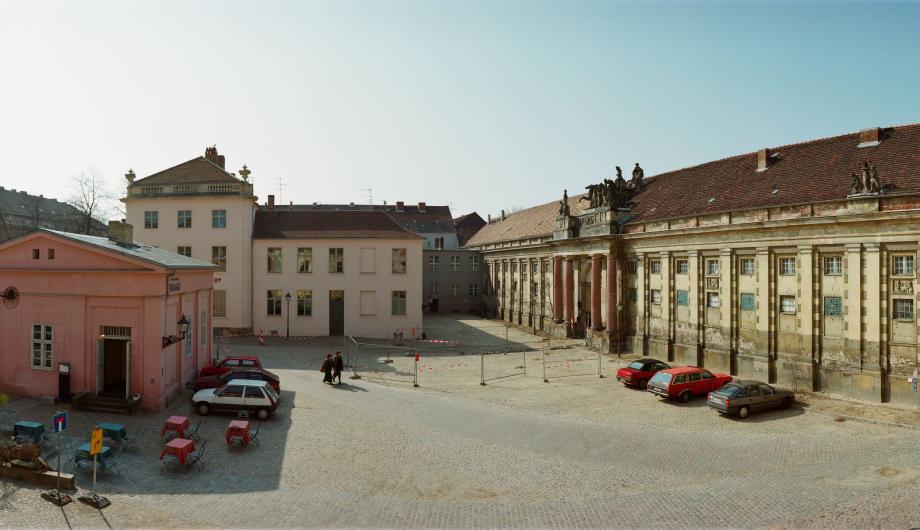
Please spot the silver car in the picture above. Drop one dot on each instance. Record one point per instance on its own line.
(741, 397)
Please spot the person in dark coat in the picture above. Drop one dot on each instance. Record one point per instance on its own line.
(326, 368)
(338, 364)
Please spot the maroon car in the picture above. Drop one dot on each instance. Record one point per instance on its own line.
(258, 374)
(639, 372)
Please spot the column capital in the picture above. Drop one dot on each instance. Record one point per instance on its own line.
(725, 252)
(693, 253)
(598, 256)
(665, 254)
(853, 247)
(871, 247)
(763, 251)
(805, 249)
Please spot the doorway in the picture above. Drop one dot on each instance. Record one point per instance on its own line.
(114, 366)
(336, 312)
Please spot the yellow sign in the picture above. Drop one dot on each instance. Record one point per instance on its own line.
(95, 441)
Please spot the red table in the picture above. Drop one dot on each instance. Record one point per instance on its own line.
(181, 447)
(238, 428)
(177, 424)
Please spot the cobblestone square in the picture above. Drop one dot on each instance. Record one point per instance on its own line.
(578, 451)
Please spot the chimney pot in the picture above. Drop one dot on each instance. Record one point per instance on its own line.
(399, 206)
(489, 216)
(503, 215)
(121, 232)
(763, 159)
(271, 202)
(871, 136)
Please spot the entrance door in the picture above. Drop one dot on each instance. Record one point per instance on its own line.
(336, 312)
(114, 367)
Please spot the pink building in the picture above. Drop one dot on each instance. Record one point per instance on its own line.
(108, 309)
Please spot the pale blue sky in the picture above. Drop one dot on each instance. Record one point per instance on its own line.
(480, 105)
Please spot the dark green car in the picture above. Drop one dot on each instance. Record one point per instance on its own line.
(741, 397)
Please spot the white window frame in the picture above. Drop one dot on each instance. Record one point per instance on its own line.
(683, 266)
(216, 215)
(743, 266)
(713, 300)
(832, 270)
(787, 266)
(455, 263)
(304, 257)
(434, 263)
(398, 303)
(152, 220)
(474, 263)
(304, 303)
(905, 262)
(897, 314)
(654, 266)
(180, 218)
(655, 295)
(220, 259)
(713, 267)
(783, 299)
(45, 346)
(473, 289)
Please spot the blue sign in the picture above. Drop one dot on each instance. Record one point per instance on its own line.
(60, 422)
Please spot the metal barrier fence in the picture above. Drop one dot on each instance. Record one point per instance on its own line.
(562, 363)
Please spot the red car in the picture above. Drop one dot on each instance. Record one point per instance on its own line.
(227, 363)
(684, 383)
(639, 372)
(256, 374)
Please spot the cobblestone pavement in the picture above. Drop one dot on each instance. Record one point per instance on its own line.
(579, 451)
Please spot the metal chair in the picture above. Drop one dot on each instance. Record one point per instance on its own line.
(197, 457)
(194, 432)
(254, 435)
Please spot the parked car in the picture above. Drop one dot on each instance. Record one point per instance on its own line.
(238, 394)
(684, 383)
(637, 373)
(227, 363)
(256, 374)
(743, 397)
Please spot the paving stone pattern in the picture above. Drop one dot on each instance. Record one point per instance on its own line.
(579, 451)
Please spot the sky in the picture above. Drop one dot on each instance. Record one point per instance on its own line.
(479, 105)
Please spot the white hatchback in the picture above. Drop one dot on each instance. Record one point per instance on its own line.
(250, 395)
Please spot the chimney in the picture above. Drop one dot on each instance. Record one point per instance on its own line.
(503, 215)
(399, 206)
(763, 159)
(870, 137)
(121, 232)
(421, 207)
(210, 154)
(271, 202)
(489, 216)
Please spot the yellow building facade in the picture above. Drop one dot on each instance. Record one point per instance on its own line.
(793, 265)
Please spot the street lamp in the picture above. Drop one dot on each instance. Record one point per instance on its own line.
(183, 325)
(287, 298)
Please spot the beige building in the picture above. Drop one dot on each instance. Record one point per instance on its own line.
(334, 272)
(794, 265)
(199, 210)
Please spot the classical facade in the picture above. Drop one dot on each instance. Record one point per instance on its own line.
(794, 265)
(200, 210)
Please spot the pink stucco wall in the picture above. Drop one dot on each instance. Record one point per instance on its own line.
(84, 288)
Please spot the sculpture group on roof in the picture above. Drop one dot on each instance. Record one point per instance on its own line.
(610, 193)
(866, 182)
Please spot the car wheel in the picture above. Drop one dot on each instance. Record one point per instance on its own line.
(743, 412)
(787, 402)
(203, 408)
(643, 383)
(685, 397)
(263, 414)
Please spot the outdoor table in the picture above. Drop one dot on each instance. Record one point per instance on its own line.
(238, 429)
(103, 456)
(177, 424)
(31, 429)
(115, 432)
(180, 447)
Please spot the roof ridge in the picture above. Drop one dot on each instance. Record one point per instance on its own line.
(197, 158)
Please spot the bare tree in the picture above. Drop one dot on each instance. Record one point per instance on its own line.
(32, 206)
(91, 199)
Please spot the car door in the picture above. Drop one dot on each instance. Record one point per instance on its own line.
(229, 398)
(754, 398)
(767, 397)
(695, 382)
(255, 398)
(708, 381)
(678, 385)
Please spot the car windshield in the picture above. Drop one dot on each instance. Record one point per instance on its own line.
(637, 365)
(730, 390)
(661, 377)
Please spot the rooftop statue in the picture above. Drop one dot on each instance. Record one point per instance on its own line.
(614, 193)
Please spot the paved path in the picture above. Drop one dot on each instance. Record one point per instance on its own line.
(577, 452)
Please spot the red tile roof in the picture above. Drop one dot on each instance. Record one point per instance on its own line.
(467, 226)
(807, 172)
(327, 224)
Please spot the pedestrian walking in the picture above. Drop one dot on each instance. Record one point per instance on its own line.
(326, 368)
(338, 364)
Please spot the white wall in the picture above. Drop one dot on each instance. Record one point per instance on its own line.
(382, 282)
(201, 237)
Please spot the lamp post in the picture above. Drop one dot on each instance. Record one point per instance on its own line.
(287, 299)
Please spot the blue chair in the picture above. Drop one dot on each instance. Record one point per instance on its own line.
(197, 457)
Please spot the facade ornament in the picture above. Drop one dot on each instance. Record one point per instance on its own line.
(245, 173)
(614, 193)
(130, 176)
(866, 182)
(564, 203)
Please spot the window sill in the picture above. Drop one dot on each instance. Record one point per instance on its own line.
(304, 272)
(43, 369)
(787, 313)
(904, 320)
(305, 316)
